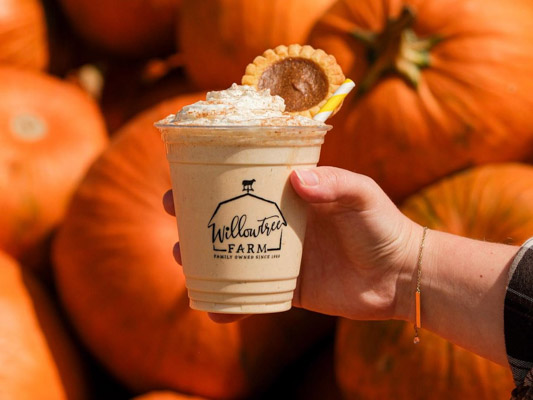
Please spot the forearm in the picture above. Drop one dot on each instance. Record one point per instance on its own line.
(463, 285)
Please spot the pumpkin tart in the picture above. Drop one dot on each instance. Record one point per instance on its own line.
(303, 76)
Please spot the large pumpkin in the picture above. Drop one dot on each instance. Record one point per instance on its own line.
(133, 28)
(441, 85)
(378, 360)
(218, 38)
(49, 133)
(126, 295)
(23, 38)
(490, 202)
(38, 359)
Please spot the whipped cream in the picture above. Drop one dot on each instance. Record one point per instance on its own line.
(239, 105)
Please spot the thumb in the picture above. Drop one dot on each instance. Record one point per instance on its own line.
(329, 184)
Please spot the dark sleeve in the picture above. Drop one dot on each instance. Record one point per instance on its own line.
(518, 321)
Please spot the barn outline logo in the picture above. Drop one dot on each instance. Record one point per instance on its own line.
(246, 224)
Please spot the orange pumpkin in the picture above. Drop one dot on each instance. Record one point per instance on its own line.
(490, 202)
(23, 38)
(38, 359)
(441, 85)
(126, 295)
(377, 360)
(132, 28)
(49, 133)
(218, 38)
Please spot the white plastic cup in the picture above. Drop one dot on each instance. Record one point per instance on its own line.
(241, 225)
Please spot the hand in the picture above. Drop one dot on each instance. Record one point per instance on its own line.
(358, 247)
(360, 250)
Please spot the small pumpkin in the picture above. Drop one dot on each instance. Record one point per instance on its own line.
(38, 358)
(127, 28)
(218, 38)
(23, 37)
(441, 85)
(126, 295)
(50, 131)
(377, 360)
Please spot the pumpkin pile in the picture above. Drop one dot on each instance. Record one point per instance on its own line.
(93, 304)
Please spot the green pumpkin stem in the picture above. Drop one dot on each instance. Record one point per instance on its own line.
(396, 50)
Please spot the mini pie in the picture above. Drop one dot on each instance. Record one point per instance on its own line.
(303, 76)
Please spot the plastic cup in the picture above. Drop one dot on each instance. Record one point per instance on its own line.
(241, 225)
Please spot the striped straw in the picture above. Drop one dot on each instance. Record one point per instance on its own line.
(334, 101)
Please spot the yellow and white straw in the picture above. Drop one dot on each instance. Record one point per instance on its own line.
(334, 101)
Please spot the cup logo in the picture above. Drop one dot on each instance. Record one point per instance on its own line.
(246, 226)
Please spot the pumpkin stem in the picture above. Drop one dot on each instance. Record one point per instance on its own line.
(395, 50)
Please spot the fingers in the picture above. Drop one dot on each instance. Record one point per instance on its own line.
(168, 203)
(329, 184)
(226, 318)
(176, 252)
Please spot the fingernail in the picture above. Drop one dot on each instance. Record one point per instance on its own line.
(306, 177)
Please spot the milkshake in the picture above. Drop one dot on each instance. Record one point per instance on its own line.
(241, 225)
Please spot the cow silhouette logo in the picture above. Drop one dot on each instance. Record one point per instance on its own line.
(247, 225)
(247, 185)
